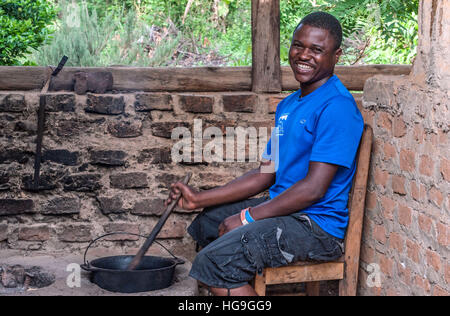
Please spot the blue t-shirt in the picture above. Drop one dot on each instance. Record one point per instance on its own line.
(324, 126)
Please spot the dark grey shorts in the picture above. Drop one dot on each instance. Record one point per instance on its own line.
(233, 260)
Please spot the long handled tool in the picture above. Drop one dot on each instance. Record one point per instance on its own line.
(41, 123)
(137, 259)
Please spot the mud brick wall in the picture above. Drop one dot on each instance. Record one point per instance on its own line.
(107, 164)
(406, 228)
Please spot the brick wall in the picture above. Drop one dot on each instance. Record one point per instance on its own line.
(107, 164)
(406, 227)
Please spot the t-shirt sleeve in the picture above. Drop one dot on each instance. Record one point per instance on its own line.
(267, 154)
(338, 131)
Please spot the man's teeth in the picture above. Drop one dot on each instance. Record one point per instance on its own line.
(304, 67)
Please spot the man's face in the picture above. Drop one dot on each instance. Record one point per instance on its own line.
(312, 54)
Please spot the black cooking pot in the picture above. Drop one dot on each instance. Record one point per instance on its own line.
(111, 273)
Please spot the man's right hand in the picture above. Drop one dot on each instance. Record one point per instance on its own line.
(189, 196)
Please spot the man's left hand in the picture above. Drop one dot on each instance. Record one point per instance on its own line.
(229, 224)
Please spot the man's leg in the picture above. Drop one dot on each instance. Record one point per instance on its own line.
(205, 227)
(233, 260)
(228, 264)
(245, 290)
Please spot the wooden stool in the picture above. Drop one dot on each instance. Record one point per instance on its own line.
(346, 268)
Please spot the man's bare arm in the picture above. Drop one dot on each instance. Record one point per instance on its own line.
(301, 195)
(244, 187)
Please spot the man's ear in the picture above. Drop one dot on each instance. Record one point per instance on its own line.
(338, 54)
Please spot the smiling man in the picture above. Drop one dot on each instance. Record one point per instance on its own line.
(318, 132)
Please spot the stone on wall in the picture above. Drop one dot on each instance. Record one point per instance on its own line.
(129, 180)
(105, 104)
(60, 102)
(12, 103)
(146, 102)
(62, 206)
(16, 206)
(108, 157)
(82, 182)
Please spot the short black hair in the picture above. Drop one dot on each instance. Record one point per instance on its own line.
(324, 21)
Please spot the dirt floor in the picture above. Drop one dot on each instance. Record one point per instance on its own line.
(62, 267)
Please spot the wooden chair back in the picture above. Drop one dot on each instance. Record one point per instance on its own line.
(346, 269)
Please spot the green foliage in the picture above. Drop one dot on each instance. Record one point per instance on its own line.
(204, 32)
(376, 31)
(118, 38)
(23, 25)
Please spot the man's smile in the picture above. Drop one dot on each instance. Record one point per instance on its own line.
(303, 67)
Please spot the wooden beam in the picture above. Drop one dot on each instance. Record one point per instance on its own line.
(307, 273)
(266, 70)
(353, 77)
(138, 78)
(197, 79)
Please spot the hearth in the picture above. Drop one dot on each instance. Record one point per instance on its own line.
(15, 279)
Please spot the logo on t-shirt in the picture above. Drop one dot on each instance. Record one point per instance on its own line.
(280, 125)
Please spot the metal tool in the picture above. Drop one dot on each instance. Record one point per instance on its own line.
(137, 259)
(41, 123)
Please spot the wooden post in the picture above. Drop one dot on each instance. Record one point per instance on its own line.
(266, 70)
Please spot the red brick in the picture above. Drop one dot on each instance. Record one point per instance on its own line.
(418, 191)
(173, 229)
(422, 283)
(447, 272)
(380, 176)
(434, 260)
(425, 223)
(438, 291)
(390, 152)
(121, 227)
(34, 233)
(392, 292)
(399, 128)
(386, 265)
(388, 205)
(75, 233)
(445, 169)
(413, 251)
(398, 185)
(407, 160)
(404, 215)
(396, 242)
(379, 233)
(384, 120)
(419, 133)
(436, 196)
(367, 254)
(377, 147)
(404, 273)
(432, 139)
(371, 200)
(442, 234)
(426, 166)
